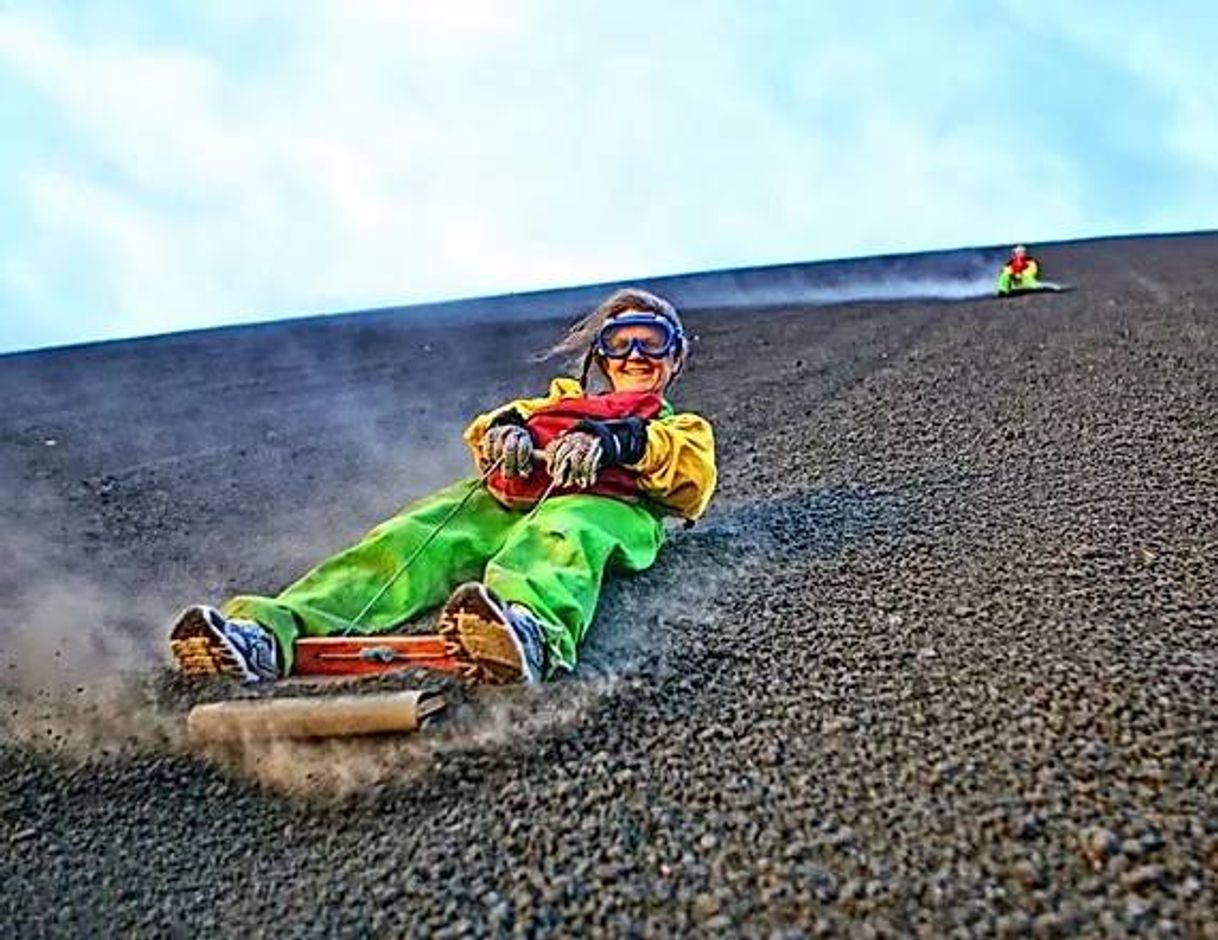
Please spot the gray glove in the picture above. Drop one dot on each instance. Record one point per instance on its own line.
(512, 443)
(575, 459)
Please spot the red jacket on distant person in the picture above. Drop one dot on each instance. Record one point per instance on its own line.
(1020, 263)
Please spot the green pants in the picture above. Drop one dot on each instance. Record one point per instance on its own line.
(1008, 282)
(552, 562)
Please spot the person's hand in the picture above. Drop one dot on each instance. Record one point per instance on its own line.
(511, 443)
(575, 459)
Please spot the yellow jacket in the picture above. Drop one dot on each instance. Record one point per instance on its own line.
(677, 471)
(1031, 270)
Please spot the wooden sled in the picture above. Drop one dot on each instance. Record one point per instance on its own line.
(371, 655)
(325, 716)
(315, 716)
(1043, 287)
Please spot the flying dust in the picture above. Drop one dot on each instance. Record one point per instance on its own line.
(162, 485)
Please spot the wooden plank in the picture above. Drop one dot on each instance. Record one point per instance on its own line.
(371, 655)
(317, 716)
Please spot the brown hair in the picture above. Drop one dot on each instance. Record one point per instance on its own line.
(576, 346)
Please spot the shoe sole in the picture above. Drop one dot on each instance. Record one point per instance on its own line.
(201, 651)
(480, 639)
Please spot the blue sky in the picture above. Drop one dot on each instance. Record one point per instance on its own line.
(172, 165)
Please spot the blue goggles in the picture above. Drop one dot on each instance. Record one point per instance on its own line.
(648, 334)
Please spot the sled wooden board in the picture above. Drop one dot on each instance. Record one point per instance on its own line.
(315, 716)
(370, 655)
(1045, 288)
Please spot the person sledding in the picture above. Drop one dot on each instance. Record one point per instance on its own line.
(570, 484)
(1021, 272)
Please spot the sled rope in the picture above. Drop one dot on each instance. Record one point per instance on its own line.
(544, 496)
(477, 484)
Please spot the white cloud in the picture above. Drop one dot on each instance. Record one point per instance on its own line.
(1172, 54)
(327, 184)
(294, 157)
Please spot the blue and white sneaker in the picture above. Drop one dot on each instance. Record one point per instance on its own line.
(496, 643)
(205, 643)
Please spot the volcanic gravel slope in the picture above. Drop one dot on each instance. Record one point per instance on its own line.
(942, 660)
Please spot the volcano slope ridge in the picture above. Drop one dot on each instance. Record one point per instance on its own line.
(941, 659)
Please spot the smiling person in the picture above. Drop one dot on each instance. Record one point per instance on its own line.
(570, 484)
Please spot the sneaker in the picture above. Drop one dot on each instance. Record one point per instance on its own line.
(205, 643)
(495, 643)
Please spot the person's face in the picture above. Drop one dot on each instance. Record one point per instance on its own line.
(637, 372)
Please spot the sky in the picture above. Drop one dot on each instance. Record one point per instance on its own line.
(174, 165)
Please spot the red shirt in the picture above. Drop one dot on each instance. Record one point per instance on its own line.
(549, 422)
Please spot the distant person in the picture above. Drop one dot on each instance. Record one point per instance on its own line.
(1021, 272)
(619, 460)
